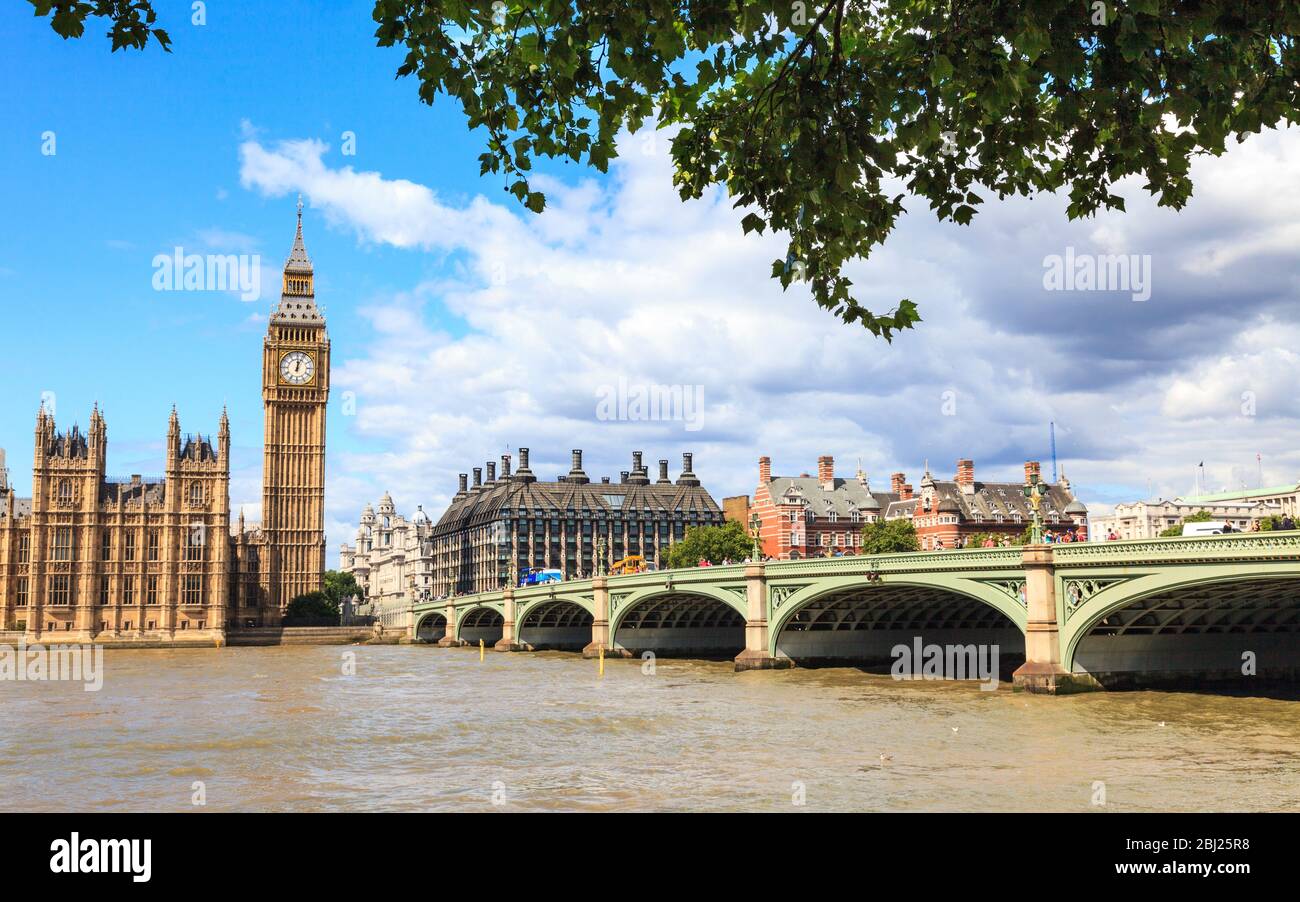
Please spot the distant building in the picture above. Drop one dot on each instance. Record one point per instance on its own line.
(392, 562)
(946, 514)
(736, 508)
(1283, 500)
(802, 516)
(493, 530)
(1147, 519)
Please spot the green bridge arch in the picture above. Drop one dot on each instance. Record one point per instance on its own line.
(1124, 590)
(529, 604)
(997, 597)
(628, 602)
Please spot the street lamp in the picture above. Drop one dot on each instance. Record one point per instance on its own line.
(602, 551)
(755, 524)
(1034, 495)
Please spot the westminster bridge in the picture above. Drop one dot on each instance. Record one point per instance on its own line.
(1182, 611)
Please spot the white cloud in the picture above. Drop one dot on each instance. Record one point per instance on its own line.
(622, 279)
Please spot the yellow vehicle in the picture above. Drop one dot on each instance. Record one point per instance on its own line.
(632, 564)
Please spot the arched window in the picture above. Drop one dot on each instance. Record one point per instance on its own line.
(196, 494)
(65, 491)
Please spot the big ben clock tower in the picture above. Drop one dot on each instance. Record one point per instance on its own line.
(295, 389)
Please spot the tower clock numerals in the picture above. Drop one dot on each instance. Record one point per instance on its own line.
(297, 368)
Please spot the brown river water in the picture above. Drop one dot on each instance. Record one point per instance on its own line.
(418, 728)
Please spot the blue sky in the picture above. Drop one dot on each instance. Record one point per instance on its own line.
(466, 328)
(145, 160)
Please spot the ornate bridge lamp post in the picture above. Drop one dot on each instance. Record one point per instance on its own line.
(755, 525)
(602, 550)
(1034, 495)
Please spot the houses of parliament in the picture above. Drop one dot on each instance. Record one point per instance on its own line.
(155, 561)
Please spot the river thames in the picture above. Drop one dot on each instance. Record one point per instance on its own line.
(418, 728)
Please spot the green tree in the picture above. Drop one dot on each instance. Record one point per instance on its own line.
(714, 544)
(130, 22)
(339, 586)
(823, 125)
(889, 536)
(312, 606)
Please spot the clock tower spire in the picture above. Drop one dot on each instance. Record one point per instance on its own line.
(295, 390)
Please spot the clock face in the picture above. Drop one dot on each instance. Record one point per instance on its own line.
(297, 368)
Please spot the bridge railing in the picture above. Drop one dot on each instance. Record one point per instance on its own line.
(911, 561)
(1233, 546)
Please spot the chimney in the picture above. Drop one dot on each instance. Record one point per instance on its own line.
(478, 478)
(663, 474)
(966, 475)
(688, 476)
(826, 472)
(575, 470)
(505, 466)
(896, 482)
(604, 480)
(905, 492)
(639, 476)
(523, 474)
(491, 471)
(764, 470)
(622, 476)
(1031, 470)
(464, 478)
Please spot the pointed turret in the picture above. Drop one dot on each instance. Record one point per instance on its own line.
(298, 295)
(223, 435)
(174, 436)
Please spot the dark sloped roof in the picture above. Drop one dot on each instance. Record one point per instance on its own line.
(488, 503)
(847, 495)
(991, 500)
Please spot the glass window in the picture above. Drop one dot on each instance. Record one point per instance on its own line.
(60, 591)
(62, 544)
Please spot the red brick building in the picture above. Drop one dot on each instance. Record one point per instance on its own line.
(802, 516)
(946, 514)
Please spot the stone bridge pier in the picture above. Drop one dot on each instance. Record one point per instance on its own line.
(1043, 670)
(757, 654)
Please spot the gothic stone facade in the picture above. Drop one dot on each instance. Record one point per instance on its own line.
(153, 560)
(139, 558)
(493, 530)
